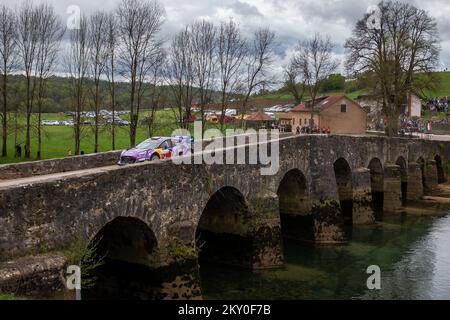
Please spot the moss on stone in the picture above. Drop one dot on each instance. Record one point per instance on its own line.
(182, 252)
(9, 296)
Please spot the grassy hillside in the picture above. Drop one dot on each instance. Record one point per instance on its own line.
(288, 97)
(444, 86)
(442, 90)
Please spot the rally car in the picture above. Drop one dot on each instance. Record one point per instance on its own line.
(155, 149)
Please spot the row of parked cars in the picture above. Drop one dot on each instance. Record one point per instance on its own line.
(57, 123)
(280, 108)
(116, 121)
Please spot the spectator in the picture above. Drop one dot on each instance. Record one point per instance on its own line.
(18, 151)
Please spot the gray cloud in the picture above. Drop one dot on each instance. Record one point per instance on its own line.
(245, 9)
(292, 20)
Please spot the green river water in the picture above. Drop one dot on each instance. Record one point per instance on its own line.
(412, 252)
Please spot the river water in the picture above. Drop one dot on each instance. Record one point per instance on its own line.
(413, 253)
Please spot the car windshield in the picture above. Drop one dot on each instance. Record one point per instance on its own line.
(148, 144)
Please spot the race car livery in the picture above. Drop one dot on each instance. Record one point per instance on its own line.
(157, 148)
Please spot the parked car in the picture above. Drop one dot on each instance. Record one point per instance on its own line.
(50, 123)
(231, 112)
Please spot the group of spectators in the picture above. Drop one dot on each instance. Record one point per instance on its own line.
(412, 125)
(314, 130)
(436, 104)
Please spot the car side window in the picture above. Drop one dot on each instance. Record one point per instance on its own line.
(165, 145)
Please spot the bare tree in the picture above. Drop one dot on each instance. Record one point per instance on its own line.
(294, 82)
(77, 63)
(203, 37)
(98, 45)
(258, 60)
(231, 50)
(315, 60)
(28, 35)
(180, 76)
(8, 47)
(139, 23)
(157, 93)
(396, 48)
(110, 70)
(50, 32)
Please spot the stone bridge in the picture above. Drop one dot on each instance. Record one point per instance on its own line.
(147, 227)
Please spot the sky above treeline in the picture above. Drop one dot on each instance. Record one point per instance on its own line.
(292, 20)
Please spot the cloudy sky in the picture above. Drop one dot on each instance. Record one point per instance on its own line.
(292, 20)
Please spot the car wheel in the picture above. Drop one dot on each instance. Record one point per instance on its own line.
(154, 157)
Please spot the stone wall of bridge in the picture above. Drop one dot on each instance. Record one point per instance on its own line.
(52, 166)
(171, 200)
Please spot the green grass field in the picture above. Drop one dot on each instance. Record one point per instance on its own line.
(57, 141)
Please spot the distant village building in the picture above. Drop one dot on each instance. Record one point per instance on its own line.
(339, 113)
(259, 120)
(412, 107)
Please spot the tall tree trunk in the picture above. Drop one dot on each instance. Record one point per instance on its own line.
(222, 117)
(5, 119)
(113, 109)
(16, 127)
(392, 121)
(96, 116)
(27, 135)
(132, 126)
(39, 133)
(39, 146)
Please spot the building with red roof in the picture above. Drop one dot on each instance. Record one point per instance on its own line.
(339, 113)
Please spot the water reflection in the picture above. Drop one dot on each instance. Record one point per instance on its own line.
(412, 253)
(424, 271)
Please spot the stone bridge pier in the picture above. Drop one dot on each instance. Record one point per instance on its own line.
(415, 185)
(362, 197)
(392, 188)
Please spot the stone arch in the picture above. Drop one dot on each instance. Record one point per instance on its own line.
(295, 207)
(377, 186)
(343, 175)
(119, 262)
(223, 230)
(401, 162)
(440, 169)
